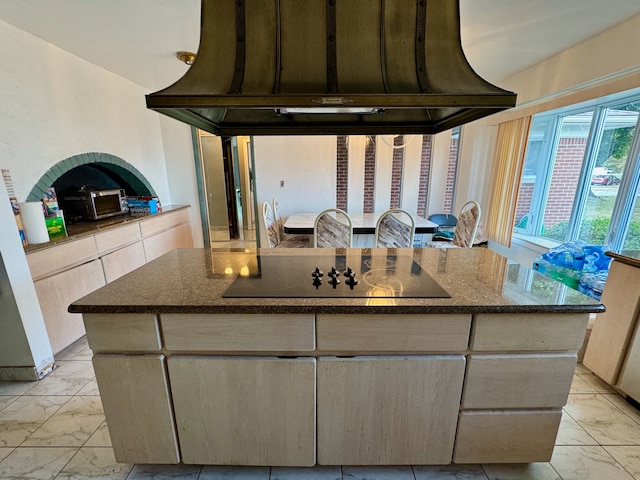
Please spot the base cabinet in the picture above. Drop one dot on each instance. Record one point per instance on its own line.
(388, 410)
(506, 436)
(245, 410)
(135, 395)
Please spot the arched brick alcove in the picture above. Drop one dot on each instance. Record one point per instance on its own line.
(109, 164)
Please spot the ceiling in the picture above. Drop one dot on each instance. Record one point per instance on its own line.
(138, 39)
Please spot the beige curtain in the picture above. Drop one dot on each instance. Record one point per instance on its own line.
(508, 161)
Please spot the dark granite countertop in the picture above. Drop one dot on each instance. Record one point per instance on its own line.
(194, 280)
(83, 229)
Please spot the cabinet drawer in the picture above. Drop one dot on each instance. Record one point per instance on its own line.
(393, 333)
(542, 332)
(521, 436)
(242, 333)
(117, 237)
(518, 381)
(48, 261)
(122, 332)
(163, 222)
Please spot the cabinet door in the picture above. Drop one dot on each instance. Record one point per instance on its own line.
(135, 395)
(244, 410)
(388, 410)
(123, 261)
(57, 292)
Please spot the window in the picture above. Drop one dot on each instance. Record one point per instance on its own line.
(452, 171)
(581, 175)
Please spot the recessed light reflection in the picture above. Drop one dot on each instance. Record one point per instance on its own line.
(244, 271)
(228, 270)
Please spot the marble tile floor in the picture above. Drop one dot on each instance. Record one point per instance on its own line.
(55, 429)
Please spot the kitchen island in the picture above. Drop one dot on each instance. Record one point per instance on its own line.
(478, 374)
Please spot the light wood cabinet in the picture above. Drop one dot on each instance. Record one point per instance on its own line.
(518, 381)
(125, 332)
(393, 333)
(56, 292)
(123, 261)
(244, 410)
(49, 261)
(613, 330)
(64, 272)
(239, 333)
(506, 436)
(388, 410)
(134, 391)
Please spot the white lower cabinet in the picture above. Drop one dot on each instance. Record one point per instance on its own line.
(244, 410)
(392, 410)
(135, 395)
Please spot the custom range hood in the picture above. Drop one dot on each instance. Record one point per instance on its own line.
(271, 67)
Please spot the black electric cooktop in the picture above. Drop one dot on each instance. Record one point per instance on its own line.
(325, 276)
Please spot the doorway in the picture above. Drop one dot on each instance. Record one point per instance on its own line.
(228, 189)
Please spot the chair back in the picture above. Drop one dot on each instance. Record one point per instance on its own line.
(333, 228)
(278, 219)
(270, 224)
(392, 231)
(467, 226)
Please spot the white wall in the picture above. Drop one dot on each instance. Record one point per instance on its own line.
(306, 165)
(54, 105)
(180, 165)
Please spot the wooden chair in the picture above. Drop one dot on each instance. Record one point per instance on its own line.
(392, 231)
(272, 231)
(303, 240)
(333, 228)
(466, 227)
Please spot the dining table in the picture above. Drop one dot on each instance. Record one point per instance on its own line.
(363, 224)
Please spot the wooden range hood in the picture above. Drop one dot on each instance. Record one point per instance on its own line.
(282, 67)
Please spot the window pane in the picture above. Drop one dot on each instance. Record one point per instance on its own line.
(533, 173)
(631, 244)
(611, 158)
(567, 165)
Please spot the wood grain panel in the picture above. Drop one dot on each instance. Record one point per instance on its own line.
(518, 381)
(48, 261)
(163, 222)
(244, 410)
(237, 332)
(506, 436)
(388, 410)
(122, 261)
(542, 332)
(122, 332)
(393, 333)
(57, 292)
(613, 329)
(135, 395)
(117, 237)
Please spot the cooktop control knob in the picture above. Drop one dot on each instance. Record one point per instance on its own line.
(316, 282)
(351, 281)
(317, 274)
(349, 273)
(333, 281)
(333, 273)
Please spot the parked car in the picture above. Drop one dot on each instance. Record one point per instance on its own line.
(605, 180)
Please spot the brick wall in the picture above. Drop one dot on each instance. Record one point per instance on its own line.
(451, 176)
(342, 171)
(525, 195)
(564, 180)
(369, 173)
(396, 172)
(425, 162)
